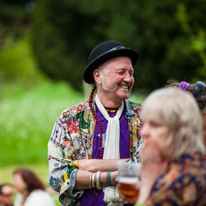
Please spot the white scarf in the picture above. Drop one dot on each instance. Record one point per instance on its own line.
(111, 149)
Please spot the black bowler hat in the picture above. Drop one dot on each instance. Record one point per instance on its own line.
(105, 51)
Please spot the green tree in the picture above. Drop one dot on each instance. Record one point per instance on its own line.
(14, 20)
(64, 34)
(193, 24)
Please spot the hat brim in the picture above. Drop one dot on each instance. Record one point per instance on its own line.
(88, 73)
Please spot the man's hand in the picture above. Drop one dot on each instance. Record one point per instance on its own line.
(130, 199)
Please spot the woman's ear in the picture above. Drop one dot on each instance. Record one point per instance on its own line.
(97, 76)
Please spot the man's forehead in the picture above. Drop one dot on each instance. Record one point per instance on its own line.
(7, 188)
(122, 60)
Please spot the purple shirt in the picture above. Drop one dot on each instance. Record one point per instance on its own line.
(93, 196)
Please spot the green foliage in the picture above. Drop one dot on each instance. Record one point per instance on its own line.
(195, 31)
(163, 32)
(17, 63)
(14, 19)
(27, 119)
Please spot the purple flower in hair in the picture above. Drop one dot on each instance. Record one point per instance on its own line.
(184, 85)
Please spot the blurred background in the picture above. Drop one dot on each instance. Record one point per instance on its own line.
(44, 47)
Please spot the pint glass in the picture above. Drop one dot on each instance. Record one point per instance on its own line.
(128, 178)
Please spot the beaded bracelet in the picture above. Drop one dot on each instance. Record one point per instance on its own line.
(90, 180)
(109, 181)
(98, 180)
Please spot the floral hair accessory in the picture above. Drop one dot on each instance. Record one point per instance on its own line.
(184, 85)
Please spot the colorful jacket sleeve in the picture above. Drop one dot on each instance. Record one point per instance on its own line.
(62, 163)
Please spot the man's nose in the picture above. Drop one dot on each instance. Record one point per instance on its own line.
(128, 77)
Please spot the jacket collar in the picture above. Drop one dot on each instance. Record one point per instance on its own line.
(129, 110)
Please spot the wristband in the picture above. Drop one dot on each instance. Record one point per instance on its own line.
(93, 185)
(98, 180)
(109, 181)
(90, 180)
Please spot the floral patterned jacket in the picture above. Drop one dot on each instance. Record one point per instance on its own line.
(72, 139)
(184, 183)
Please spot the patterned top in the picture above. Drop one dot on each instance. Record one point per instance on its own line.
(72, 139)
(184, 183)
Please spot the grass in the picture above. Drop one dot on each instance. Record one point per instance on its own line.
(27, 118)
(26, 121)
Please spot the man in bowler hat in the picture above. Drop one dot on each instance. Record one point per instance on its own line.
(89, 139)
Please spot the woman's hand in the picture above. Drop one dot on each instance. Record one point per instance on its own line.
(150, 152)
(152, 167)
(151, 161)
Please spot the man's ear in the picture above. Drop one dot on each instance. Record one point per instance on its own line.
(97, 76)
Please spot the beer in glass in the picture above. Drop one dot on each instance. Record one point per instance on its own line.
(128, 178)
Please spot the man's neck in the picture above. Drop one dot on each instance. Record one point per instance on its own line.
(109, 102)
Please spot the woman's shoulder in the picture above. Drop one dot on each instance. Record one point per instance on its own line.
(187, 170)
(39, 197)
(39, 192)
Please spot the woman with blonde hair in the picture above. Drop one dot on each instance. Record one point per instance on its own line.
(173, 169)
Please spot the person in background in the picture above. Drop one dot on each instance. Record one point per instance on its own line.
(30, 189)
(90, 138)
(173, 150)
(6, 194)
(198, 90)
